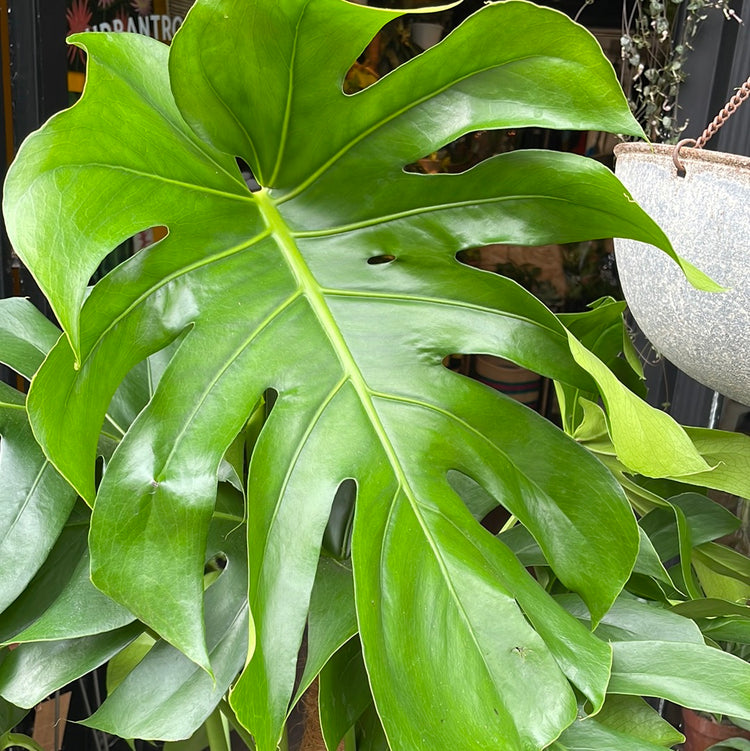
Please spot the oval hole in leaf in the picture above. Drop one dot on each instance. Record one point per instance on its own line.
(338, 532)
(269, 399)
(469, 257)
(456, 362)
(247, 175)
(383, 258)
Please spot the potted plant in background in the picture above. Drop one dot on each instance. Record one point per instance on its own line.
(245, 432)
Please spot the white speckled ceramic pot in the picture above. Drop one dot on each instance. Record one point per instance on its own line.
(706, 215)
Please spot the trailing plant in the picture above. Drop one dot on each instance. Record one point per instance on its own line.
(657, 38)
(245, 435)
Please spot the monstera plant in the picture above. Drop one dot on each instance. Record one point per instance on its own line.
(244, 456)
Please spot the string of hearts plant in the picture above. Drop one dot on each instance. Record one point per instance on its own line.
(261, 395)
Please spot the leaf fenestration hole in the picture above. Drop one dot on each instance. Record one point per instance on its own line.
(467, 151)
(337, 536)
(216, 562)
(247, 175)
(269, 399)
(480, 503)
(134, 244)
(383, 258)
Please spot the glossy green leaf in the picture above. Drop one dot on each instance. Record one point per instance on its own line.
(590, 735)
(125, 661)
(370, 735)
(35, 501)
(602, 330)
(693, 675)
(26, 336)
(727, 628)
(17, 740)
(706, 520)
(79, 610)
(35, 670)
(272, 291)
(523, 545)
(197, 742)
(51, 578)
(733, 744)
(729, 454)
(343, 693)
(10, 715)
(648, 561)
(718, 584)
(625, 723)
(724, 560)
(331, 621)
(709, 606)
(168, 697)
(632, 620)
(633, 716)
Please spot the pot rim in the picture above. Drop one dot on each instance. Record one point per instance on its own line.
(660, 151)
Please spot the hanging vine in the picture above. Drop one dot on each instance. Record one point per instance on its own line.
(657, 37)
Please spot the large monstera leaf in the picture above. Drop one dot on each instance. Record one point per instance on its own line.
(278, 291)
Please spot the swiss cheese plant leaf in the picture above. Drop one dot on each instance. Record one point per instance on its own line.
(51, 579)
(332, 620)
(35, 500)
(33, 671)
(336, 288)
(26, 336)
(168, 697)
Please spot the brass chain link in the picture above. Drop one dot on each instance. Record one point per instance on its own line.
(726, 112)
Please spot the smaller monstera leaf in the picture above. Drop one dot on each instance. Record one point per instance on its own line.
(35, 500)
(168, 697)
(335, 287)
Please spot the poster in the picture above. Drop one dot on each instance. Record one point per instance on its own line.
(159, 19)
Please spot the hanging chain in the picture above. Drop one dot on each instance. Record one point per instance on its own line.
(727, 111)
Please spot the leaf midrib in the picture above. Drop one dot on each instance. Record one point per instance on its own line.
(312, 291)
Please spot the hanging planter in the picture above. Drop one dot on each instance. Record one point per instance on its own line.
(703, 209)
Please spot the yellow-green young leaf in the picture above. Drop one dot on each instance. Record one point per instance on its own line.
(730, 453)
(593, 426)
(647, 440)
(719, 585)
(725, 561)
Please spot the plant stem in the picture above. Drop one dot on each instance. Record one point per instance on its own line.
(217, 731)
(228, 712)
(284, 742)
(512, 521)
